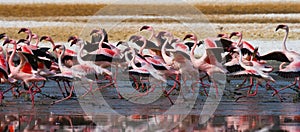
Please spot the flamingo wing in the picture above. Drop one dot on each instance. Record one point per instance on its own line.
(97, 57)
(214, 54)
(234, 68)
(32, 59)
(3, 73)
(288, 74)
(90, 47)
(276, 55)
(226, 44)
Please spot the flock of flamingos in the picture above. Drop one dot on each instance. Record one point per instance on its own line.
(26, 67)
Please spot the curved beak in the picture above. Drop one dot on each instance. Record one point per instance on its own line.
(73, 42)
(280, 26)
(2, 35)
(73, 39)
(22, 30)
(200, 42)
(119, 43)
(134, 38)
(94, 31)
(6, 41)
(233, 34)
(144, 27)
(21, 41)
(187, 36)
(56, 46)
(43, 38)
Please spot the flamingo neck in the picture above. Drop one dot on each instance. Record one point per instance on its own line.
(37, 42)
(166, 58)
(240, 44)
(59, 59)
(284, 40)
(10, 61)
(101, 41)
(144, 46)
(152, 34)
(241, 58)
(192, 55)
(80, 61)
(51, 41)
(281, 65)
(133, 59)
(29, 36)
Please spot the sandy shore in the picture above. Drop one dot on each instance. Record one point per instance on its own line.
(255, 20)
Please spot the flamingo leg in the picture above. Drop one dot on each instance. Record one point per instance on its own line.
(275, 91)
(293, 84)
(174, 85)
(193, 87)
(3, 92)
(298, 78)
(60, 89)
(70, 95)
(248, 93)
(244, 81)
(65, 87)
(216, 87)
(90, 89)
(249, 86)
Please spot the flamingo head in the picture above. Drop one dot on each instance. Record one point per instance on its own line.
(58, 47)
(146, 28)
(255, 53)
(9, 41)
(25, 30)
(34, 36)
(120, 43)
(175, 40)
(134, 38)
(73, 39)
(282, 26)
(47, 38)
(222, 35)
(238, 34)
(2, 35)
(23, 41)
(190, 36)
(96, 31)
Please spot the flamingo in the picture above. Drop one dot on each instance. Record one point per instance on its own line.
(284, 55)
(75, 72)
(252, 71)
(22, 71)
(293, 69)
(146, 70)
(207, 62)
(69, 57)
(88, 64)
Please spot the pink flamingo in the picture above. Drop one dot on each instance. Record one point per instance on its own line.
(207, 62)
(23, 72)
(69, 57)
(76, 71)
(254, 72)
(89, 65)
(292, 69)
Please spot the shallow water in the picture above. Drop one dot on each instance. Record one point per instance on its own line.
(260, 113)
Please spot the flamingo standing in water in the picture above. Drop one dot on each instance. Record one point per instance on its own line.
(23, 72)
(89, 65)
(207, 62)
(292, 70)
(69, 57)
(252, 71)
